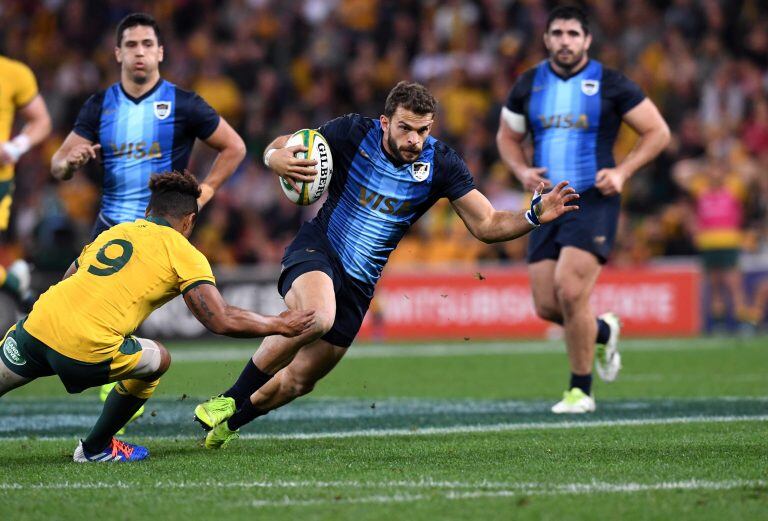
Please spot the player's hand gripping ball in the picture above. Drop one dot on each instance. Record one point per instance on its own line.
(318, 149)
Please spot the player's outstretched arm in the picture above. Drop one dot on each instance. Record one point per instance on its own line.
(283, 161)
(210, 308)
(71, 155)
(491, 225)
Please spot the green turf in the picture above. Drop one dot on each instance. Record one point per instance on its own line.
(681, 434)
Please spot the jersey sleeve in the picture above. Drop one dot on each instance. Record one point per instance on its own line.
(87, 122)
(625, 93)
(201, 117)
(337, 131)
(26, 85)
(81, 259)
(519, 93)
(190, 265)
(456, 178)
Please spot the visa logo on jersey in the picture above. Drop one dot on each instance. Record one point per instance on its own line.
(139, 150)
(385, 205)
(564, 121)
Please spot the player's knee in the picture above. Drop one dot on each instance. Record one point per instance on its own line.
(570, 296)
(323, 323)
(165, 360)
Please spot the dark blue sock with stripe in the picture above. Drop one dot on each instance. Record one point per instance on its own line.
(603, 331)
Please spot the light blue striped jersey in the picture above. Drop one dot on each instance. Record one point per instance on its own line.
(373, 200)
(573, 121)
(140, 137)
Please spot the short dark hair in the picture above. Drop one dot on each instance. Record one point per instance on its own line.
(134, 19)
(174, 194)
(411, 96)
(569, 12)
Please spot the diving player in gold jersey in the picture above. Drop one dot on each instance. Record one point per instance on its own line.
(18, 95)
(80, 329)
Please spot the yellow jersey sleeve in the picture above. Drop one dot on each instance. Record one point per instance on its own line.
(190, 265)
(81, 257)
(26, 85)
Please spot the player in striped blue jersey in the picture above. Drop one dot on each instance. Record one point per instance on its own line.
(573, 107)
(387, 173)
(144, 125)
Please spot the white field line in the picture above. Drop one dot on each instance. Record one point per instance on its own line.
(213, 353)
(440, 489)
(540, 490)
(457, 429)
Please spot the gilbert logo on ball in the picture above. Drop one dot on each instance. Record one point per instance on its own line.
(318, 149)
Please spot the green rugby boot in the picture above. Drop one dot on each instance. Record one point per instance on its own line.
(215, 411)
(220, 436)
(574, 402)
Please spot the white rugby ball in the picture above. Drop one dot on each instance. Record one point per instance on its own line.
(318, 150)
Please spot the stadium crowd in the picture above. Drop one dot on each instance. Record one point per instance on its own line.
(271, 67)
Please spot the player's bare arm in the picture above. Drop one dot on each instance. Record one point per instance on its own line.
(70, 271)
(210, 308)
(646, 120)
(283, 162)
(75, 152)
(510, 144)
(36, 128)
(231, 153)
(491, 225)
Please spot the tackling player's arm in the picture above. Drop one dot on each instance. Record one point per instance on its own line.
(231, 150)
(210, 308)
(37, 126)
(491, 225)
(283, 161)
(646, 120)
(71, 155)
(70, 271)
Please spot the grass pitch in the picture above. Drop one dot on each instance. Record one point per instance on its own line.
(455, 431)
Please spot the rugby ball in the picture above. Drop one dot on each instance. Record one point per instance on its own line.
(318, 150)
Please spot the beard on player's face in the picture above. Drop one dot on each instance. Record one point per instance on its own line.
(567, 58)
(400, 151)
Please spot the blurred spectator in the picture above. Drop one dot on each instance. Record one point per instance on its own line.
(718, 190)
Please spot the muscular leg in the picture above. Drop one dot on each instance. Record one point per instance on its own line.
(10, 380)
(575, 276)
(311, 290)
(298, 378)
(542, 277)
(129, 395)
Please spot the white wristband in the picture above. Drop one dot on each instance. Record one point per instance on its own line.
(17, 147)
(267, 155)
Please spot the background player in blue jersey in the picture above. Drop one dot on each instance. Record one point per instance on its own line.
(573, 107)
(141, 126)
(388, 172)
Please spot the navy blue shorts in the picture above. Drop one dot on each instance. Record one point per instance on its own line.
(592, 228)
(311, 251)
